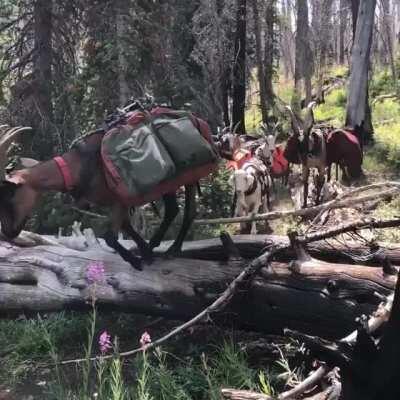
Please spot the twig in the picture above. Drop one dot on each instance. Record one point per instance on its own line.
(293, 393)
(89, 213)
(350, 227)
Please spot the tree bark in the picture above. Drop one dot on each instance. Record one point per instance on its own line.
(269, 50)
(122, 13)
(239, 69)
(342, 29)
(303, 62)
(369, 367)
(42, 72)
(388, 27)
(52, 278)
(287, 40)
(260, 65)
(357, 110)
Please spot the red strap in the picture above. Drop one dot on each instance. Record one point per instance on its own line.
(65, 172)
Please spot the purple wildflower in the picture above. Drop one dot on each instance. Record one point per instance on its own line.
(145, 340)
(105, 342)
(95, 272)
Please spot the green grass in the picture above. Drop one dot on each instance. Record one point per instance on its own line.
(333, 110)
(388, 210)
(195, 370)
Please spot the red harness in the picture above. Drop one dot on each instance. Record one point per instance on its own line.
(65, 172)
(240, 157)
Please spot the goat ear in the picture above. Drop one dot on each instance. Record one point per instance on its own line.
(276, 130)
(25, 162)
(295, 121)
(235, 128)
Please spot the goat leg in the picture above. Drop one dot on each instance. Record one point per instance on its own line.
(320, 184)
(188, 217)
(144, 248)
(328, 173)
(306, 174)
(111, 239)
(234, 202)
(171, 210)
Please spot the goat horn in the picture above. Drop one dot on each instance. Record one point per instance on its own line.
(6, 138)
(309, 116)
(295, 121)
(235, 128)
(276, 131)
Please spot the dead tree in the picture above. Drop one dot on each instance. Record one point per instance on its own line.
(304, 58)
(357, 109)
(239, 69)
(52, 277)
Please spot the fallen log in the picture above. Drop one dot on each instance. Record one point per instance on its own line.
(250, 246)
(311, 296)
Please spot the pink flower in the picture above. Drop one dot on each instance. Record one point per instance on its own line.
(95, 272)
(105, 342)
(145, 340)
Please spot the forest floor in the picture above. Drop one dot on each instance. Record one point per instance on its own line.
(196, 364)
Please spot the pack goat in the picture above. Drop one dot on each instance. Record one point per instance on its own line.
(308, 148)
(252, 185)
(343, 149)
(272, 155)
(21, 189)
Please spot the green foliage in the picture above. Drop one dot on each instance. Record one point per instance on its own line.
(215, 202)
(56, 211)
(388, 210)
(333, 110)
(386, 115)
(381, 83)
(24, 343)
(253, 119)
(150, 375)
(265, 384)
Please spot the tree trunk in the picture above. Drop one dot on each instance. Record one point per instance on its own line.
(388, 27)
(52, 278)
(356, 110)
(355, 4)
(42, 72)
(239, 69)
(368, 365)
(225, 70)
(269, 44)
(122, 13)
(303, 62)
(260, 65)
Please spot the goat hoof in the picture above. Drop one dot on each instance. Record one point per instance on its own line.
(148, 257)
(136, 262)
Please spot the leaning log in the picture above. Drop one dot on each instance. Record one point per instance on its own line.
(250, 246)
(310, 296)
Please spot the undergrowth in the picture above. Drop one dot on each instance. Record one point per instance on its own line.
(185, 374)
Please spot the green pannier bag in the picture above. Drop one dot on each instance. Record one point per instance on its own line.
(154, 149)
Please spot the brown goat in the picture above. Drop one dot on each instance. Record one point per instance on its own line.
(306, 148)
(81, 174)
(343, 148)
